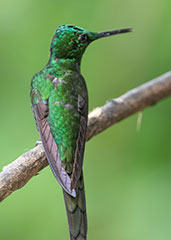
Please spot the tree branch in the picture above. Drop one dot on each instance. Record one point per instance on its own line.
(19, 172)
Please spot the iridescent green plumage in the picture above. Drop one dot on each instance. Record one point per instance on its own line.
(60, 104)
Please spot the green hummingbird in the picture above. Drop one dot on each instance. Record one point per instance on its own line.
(59, 101)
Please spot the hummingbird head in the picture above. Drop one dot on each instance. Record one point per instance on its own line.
(70, 42)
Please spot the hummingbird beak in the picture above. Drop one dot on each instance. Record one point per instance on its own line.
(114, 32)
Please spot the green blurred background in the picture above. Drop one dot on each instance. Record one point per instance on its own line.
(127, 173)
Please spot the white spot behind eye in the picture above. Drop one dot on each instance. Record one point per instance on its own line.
(83, 37)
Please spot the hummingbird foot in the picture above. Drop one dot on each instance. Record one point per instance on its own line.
(38, 143)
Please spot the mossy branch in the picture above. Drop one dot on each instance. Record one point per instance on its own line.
(19, 172)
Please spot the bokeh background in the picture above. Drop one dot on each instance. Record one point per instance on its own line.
(127, 173)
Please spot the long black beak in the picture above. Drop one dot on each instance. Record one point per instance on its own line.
(114, 32)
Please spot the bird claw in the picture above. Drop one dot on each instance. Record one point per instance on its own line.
(38, 143)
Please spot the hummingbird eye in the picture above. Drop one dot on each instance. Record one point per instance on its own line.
(83, 37)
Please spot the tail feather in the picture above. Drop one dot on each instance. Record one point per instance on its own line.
(76, 212)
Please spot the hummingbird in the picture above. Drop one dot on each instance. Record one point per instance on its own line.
(59, 100)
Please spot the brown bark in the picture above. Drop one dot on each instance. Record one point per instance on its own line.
(18, 173)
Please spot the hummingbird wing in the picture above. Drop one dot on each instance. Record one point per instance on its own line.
(80, 146)
(41, 112)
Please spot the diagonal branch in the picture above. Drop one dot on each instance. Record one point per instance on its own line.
(19, 172)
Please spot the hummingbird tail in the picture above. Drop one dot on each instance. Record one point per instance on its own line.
(76, 212)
